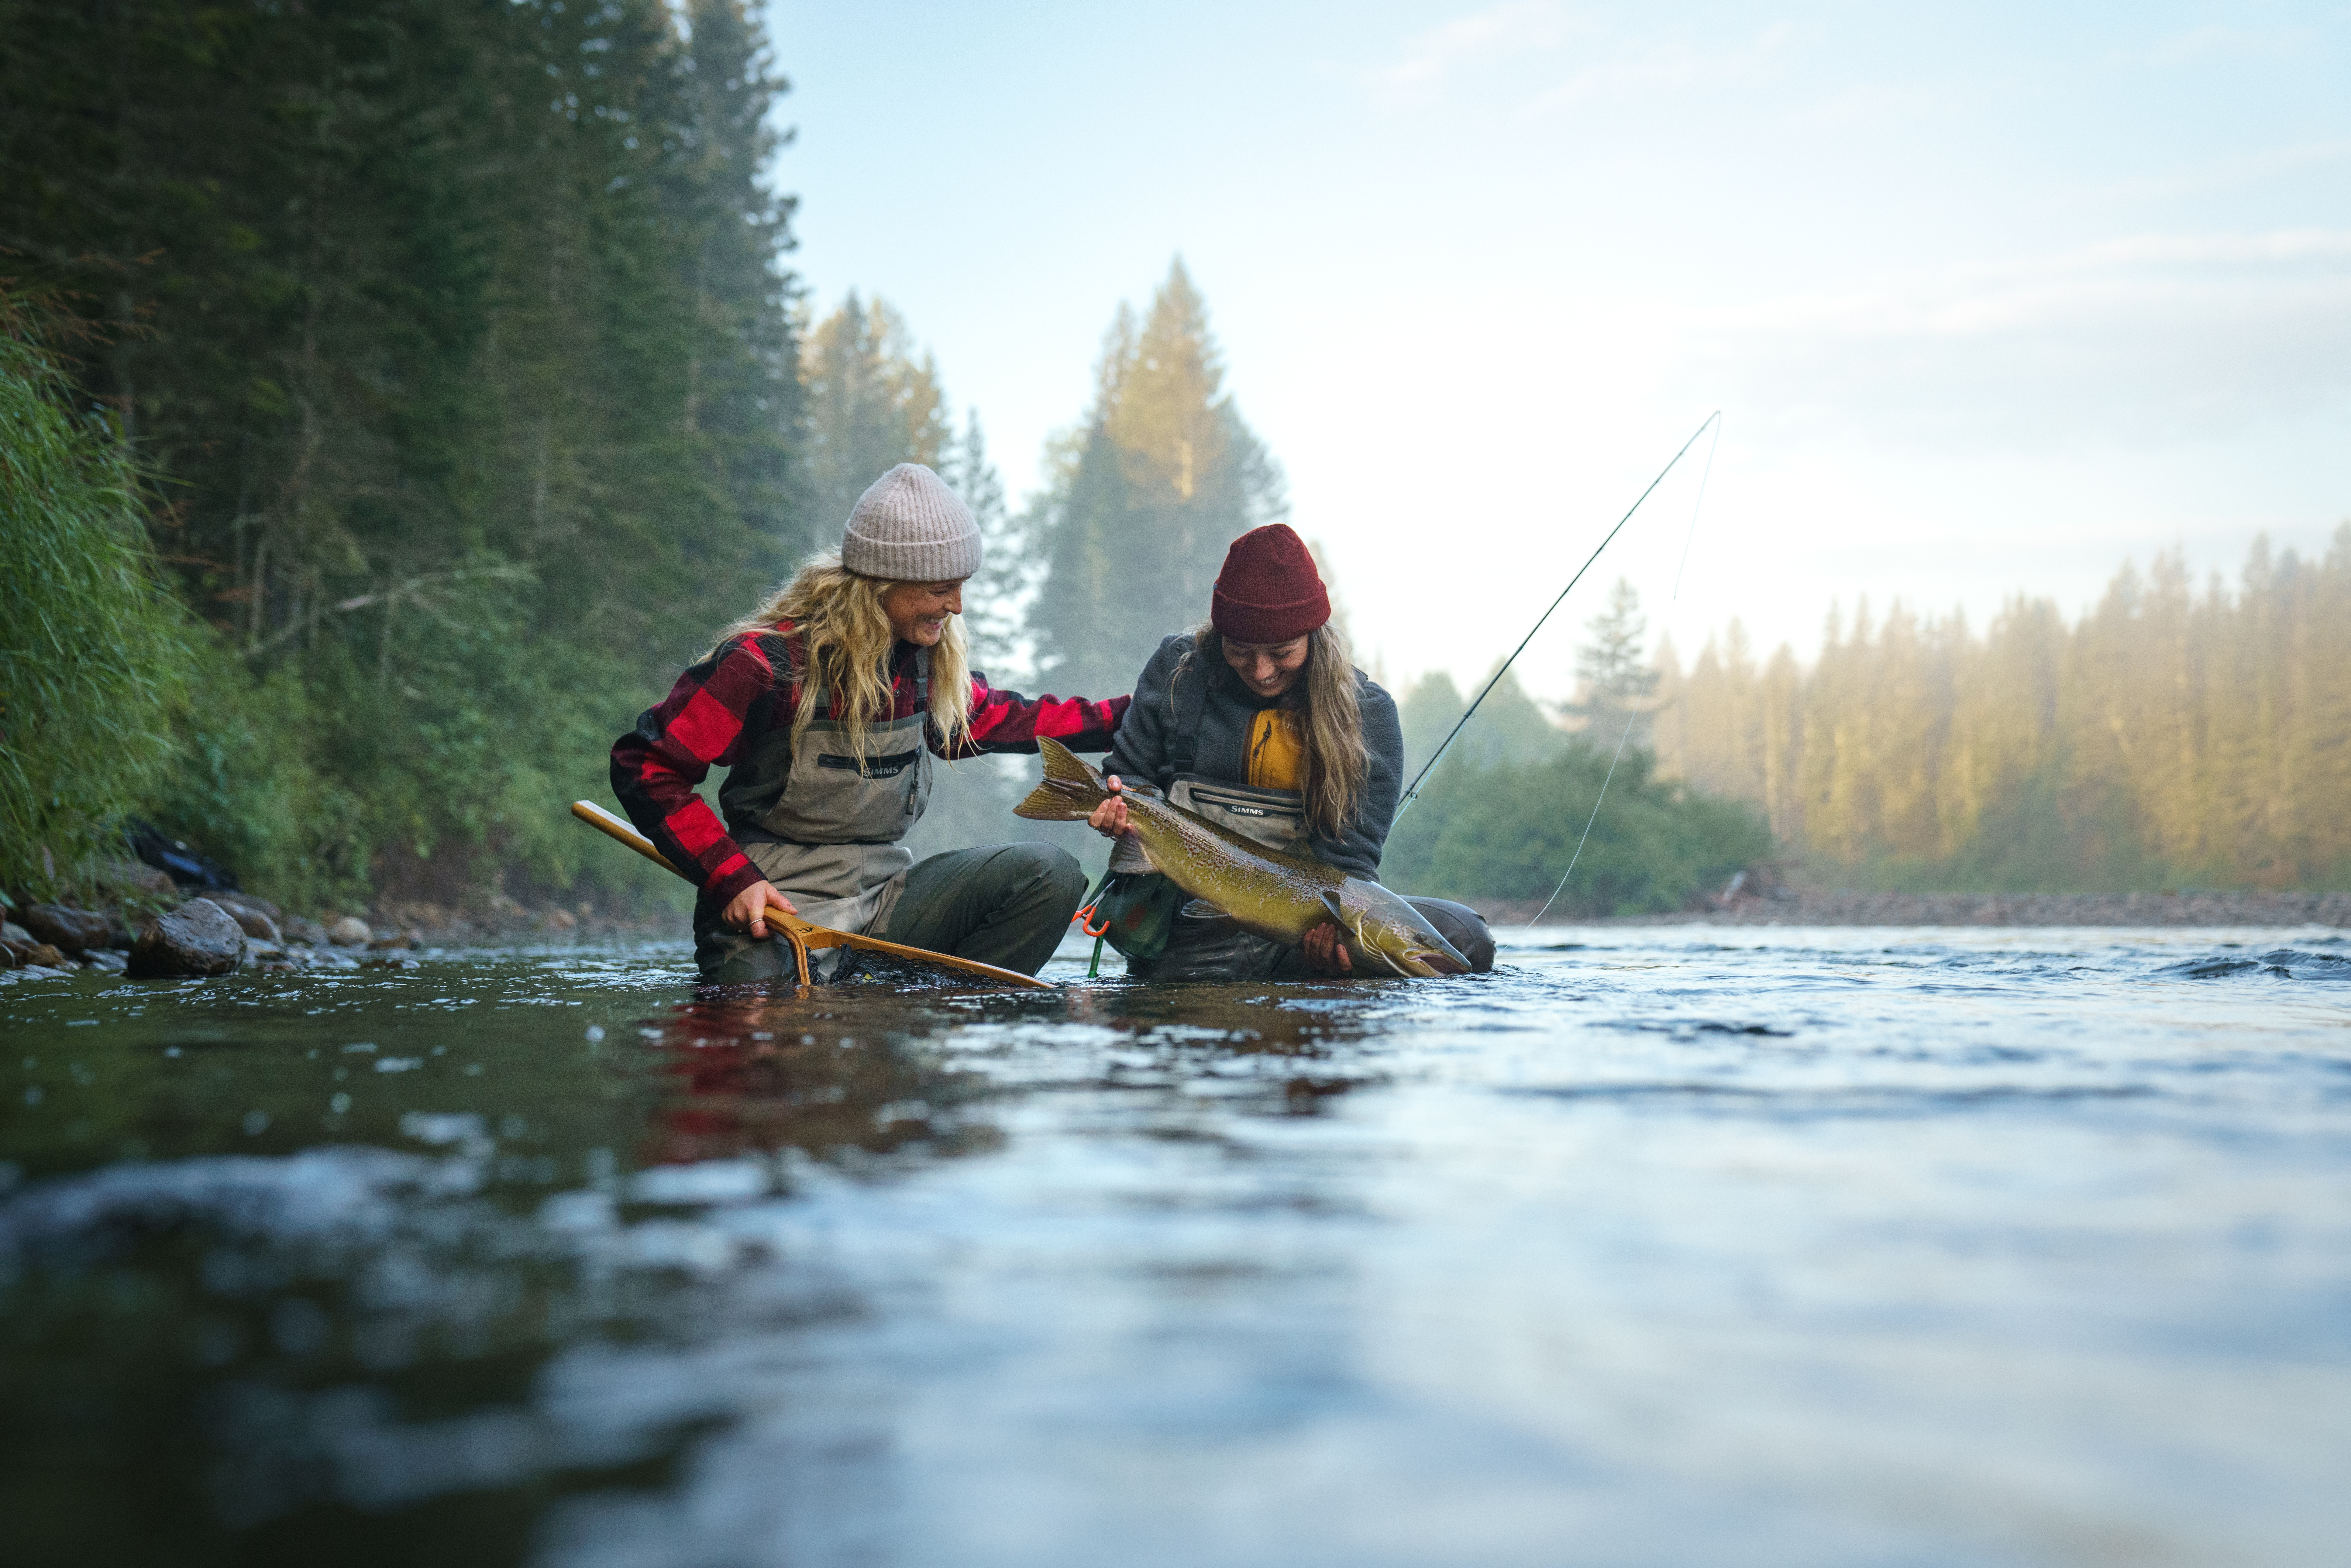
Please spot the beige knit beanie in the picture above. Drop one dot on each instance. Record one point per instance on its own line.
(909, 526)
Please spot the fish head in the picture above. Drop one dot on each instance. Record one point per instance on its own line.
(1385, 932)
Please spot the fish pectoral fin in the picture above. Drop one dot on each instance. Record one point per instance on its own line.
(1201, 909)
(1338, 915)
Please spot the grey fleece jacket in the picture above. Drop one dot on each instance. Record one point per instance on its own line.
(1139, 750)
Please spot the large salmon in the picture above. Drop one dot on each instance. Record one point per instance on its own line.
(1279, 897)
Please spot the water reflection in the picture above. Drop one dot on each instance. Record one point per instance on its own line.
(823, 1073)
(611, 1271)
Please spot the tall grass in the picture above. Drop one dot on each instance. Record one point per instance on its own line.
(94, 649)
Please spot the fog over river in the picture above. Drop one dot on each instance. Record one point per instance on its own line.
(1674, 1245)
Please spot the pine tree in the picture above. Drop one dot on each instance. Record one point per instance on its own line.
(458, 334)
(872, 404)
(996, 600)
(1616, 686)
(1509, 726)
(1162, 478)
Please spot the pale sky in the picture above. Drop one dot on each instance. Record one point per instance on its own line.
(1991, 296)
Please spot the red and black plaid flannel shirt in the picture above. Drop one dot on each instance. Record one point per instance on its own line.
(746, 688)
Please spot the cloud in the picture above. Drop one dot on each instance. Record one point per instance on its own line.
(2148, 340)
(1640, 73)
(1437, 54)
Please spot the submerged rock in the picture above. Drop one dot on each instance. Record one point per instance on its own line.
(349, 931)
(197, 938)
(68, 929)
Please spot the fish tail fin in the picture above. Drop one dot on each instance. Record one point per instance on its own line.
(1071, 789)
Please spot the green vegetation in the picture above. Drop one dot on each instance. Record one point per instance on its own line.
(1509, 831)
(1502, 815)
(1511, 726)
(93, 647)
(2169, 738)
(458, 340)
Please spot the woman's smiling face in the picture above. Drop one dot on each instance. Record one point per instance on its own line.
(918, 611)
(1268, 669)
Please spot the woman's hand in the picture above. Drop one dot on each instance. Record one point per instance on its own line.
(747, 910)
(1325, 953)
(1109, 818)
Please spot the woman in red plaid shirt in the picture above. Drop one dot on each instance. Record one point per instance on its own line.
(828, 705)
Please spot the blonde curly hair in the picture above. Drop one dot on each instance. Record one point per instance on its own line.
(846, 640)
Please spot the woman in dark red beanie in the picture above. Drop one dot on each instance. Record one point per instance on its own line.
(1259, 720)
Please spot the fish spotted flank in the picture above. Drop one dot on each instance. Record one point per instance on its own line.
(1279, 897)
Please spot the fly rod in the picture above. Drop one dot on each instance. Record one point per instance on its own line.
(1632, 714)
(802, 934)
(1413, 793)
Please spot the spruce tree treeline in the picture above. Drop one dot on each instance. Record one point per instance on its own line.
(1506, 814)
(873, 403)
(2171, 736)
(875, 400)
(1162, 475)
(456, 338)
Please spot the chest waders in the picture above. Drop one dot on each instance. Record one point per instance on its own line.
(1140, 906)
(823, 822)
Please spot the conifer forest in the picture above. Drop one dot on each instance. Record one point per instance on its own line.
(2176, 734)
(398, 393)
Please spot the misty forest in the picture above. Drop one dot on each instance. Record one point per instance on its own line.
(397, 402)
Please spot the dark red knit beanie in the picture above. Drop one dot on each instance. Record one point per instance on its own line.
(1269, 590)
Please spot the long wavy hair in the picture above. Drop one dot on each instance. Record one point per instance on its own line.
(1324, 704)
(846, 644)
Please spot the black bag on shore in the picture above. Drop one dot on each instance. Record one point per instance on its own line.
(187, 868)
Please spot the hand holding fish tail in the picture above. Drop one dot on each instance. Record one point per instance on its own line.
(1110, 819)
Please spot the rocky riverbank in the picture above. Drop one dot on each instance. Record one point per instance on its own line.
(139, 922)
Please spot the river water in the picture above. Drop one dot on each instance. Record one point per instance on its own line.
(1679, 1246)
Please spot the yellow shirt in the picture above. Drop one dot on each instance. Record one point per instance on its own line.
(1277, 757)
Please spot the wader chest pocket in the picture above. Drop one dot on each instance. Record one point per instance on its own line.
(1274, 818)
(872, 768)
